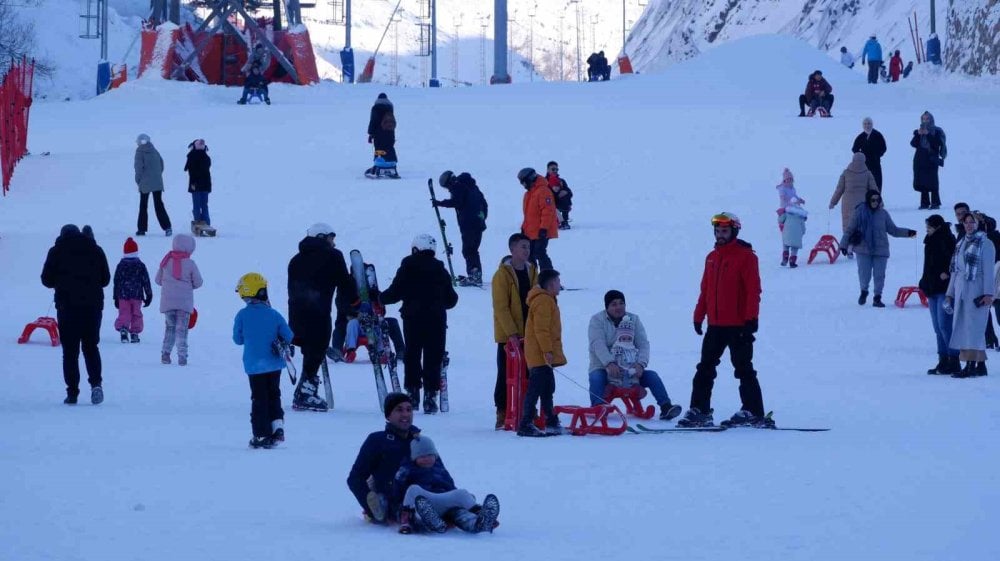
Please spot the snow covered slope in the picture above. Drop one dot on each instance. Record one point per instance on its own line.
(674, 30)
(161, 472)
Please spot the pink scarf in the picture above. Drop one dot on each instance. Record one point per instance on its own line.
(178, 257)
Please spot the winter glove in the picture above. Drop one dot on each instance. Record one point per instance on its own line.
(697, 327)
(116, 303)
(369, 139)
(435, 203)
(750, 327)
(543, 234)
(145, 303)
(911, 233)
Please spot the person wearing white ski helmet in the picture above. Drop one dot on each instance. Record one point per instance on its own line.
(424, 287)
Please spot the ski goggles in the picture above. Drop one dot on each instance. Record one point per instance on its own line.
(722, 220)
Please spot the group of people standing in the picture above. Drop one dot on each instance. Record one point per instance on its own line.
(149, 180)
(872, 54)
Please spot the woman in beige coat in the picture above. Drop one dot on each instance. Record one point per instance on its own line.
(854, 182)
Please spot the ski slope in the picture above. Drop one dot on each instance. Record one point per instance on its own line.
(161, 470)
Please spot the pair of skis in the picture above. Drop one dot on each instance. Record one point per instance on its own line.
(371, 326)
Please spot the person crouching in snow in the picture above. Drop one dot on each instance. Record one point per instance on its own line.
(428, 491)
(132, 292)
(261, 330)
(179, 276)
(793, 229)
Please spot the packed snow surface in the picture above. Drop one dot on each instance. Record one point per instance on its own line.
(161, 470)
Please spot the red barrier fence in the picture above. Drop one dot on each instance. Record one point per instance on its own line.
(15, 104)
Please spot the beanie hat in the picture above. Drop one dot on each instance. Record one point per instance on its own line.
(131, 248)
(787, 177)
(935, 221)
(394, 399)
(611, 296)
(422, 446)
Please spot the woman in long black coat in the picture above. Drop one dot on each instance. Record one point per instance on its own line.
(929, 154)
(871, 143)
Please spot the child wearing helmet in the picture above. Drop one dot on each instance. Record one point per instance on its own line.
(256, 328)
(179, 276)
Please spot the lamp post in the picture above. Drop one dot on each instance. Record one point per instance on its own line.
(579, 22)
(434, 82)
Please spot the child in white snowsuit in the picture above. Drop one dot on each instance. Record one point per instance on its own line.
(179, 276)
(786, 192)
(132, 292)
(429, 492)
(793, 222)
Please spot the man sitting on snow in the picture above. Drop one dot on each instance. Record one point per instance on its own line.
(255, 84)
(619, 353)
(818, 96)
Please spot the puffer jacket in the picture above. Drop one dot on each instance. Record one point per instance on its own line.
(77, 269)
(508, 316)
(424, 287)
(198, 166)
(378, 461)
(132, 281)
(543, 331)
(314, 273)
(256, 327)
(602, 333)
(178, 290)
(854, 182)
(540, 211)
(148, 168)
(730, 286)
(469, 204)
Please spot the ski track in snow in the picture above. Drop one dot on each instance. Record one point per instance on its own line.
(161, 469)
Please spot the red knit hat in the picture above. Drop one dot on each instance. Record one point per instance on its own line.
(130, 247)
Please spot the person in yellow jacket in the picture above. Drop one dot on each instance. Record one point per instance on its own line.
(511, 283)
(542, 351)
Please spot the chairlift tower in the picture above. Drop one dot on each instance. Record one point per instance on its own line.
(501, 24)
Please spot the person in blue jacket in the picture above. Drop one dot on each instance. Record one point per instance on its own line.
(261, 330)
(872, 52)
(380, 457)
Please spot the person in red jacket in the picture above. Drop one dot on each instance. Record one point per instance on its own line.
(895, 67)
(730, 297)
(541, 223)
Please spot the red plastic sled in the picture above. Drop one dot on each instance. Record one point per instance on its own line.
(515, 385)
(47, 323)
(632, 398)
(194, 318)
(827, 244)
(906, 291)
(589, 420)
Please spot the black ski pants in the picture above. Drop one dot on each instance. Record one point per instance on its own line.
(540, 254)
(471, 240)
(161, 211)
(339, 331)
(740, 345)
(312, 359)
(500, 391)
(265, 401)
(873, 68)
(541, 385)
(80, 327)
(425, 344)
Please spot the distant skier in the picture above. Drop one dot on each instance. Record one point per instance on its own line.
(199, 166)
(730, 297)
(77, 269)
(872, 52)
(818, 96)
(846, 58)
(895, 66)
(179, 276)
(426, 490)
(514, 278)
(382, 134)
(543, 351)
(424, 286)
(868, 232)
(149, 179)
(314, 274)
(260, 329)
(132, 292)
(871, 143)
(562, 192)
(540, 223)
(255, 84)
(930, 150)
(471, 209)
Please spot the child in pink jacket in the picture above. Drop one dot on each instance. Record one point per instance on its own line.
(179, 276)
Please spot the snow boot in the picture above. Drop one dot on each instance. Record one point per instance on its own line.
(430, 403)
(261, 442)
(414, 398)
(530, 430)
(942, 366)
(429, 517)
(124, 333)
(965, 372)
(182, 361)
(863, 298)
(96, 395)
(168, 232)
(744, 418)
(463, 519)
(278, 431)
(406, 520)
(784, 258)
(793, 262)
(877, 301)
(135, 337)
(70, 399)
(980, 369)
(668, 411)
(165, 358)
(501, 420)
(695, 418)
(555, 429)
(486, 518)
(306, 397)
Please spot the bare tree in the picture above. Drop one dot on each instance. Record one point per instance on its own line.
(17, 37)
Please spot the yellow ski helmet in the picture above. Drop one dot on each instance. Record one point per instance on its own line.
(252, 285)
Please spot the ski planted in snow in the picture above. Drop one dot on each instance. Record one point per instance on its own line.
(444, 237)
(327, 386)
(386, 349)
(443, 404)
(369, 323)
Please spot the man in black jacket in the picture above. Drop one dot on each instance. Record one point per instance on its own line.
(872, 144)
(314, 273)
(77, 269)
(939, 245)
(471, 208)
(424, 286)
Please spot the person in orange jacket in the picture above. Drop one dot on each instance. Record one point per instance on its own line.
(541, 222)
(542, 351)
(895, 66)
(730, 297)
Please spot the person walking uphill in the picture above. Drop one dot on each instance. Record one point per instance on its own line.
(872, 51)
(542, 351)
(971, 289)
(382, 135)
(179, 276)
(198, 166)
(424, 286)
(868, 232)
(871, 143)
(77, 269)
(855, 181)
(132, 292)
(730, 298)
(930, 150)
(149, 179)
(514, 278)
(541, 222)
(939, 245)
(471, 209)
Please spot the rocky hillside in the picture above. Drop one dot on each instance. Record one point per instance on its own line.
(974, 37)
